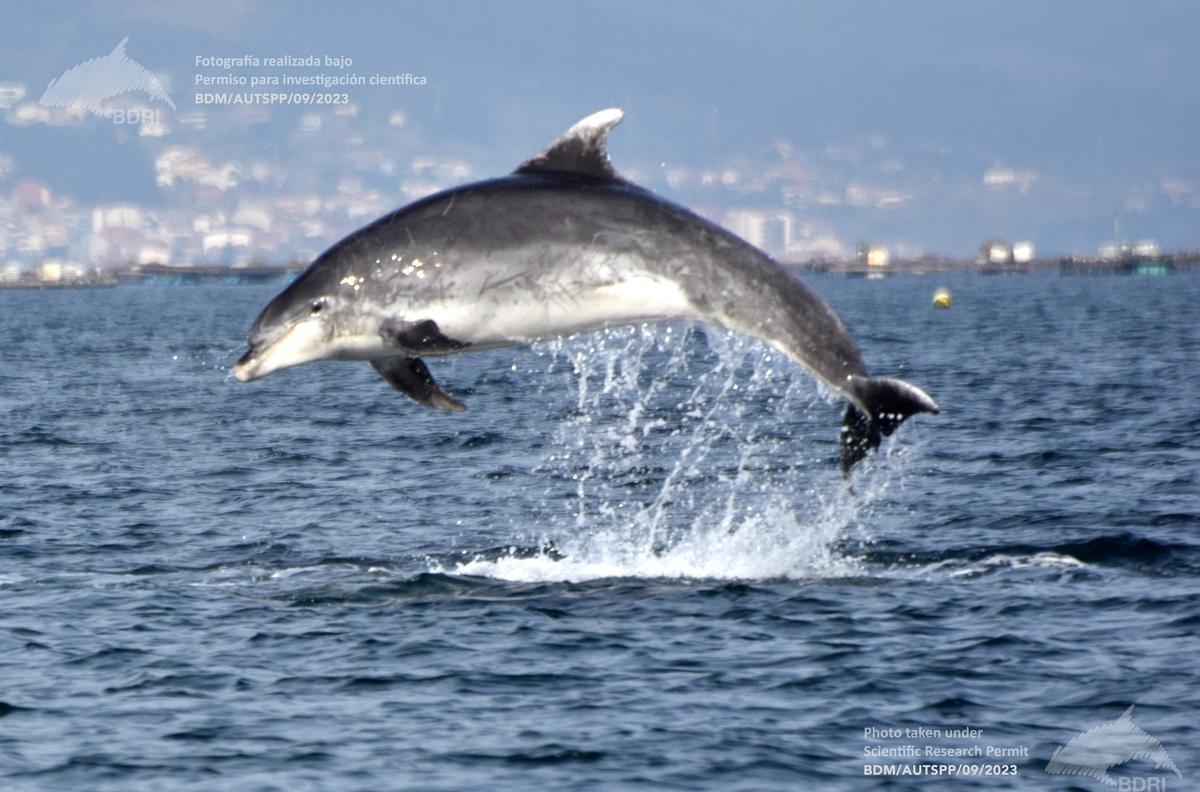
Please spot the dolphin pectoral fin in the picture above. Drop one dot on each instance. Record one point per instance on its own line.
(411, 377)
(423, 337)
(889, 401)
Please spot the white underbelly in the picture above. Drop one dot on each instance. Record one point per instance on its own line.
(514, 317)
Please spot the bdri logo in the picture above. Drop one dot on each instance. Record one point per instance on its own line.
(1111, 744)
(93, 82)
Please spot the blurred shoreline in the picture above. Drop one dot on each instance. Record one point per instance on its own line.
(1163, 264)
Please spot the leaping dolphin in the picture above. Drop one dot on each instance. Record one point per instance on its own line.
(562, 245)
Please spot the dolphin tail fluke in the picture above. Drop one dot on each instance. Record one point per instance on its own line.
(888, 403)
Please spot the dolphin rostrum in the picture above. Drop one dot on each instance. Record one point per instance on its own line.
(562, 245)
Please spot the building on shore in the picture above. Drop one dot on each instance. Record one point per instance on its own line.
(874, 257)
(51, 271)
(768, 230)
(1145, 248)
(995, 253)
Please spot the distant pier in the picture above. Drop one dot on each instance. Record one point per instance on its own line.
(157, 273)
(211, 274)
(1163, 264)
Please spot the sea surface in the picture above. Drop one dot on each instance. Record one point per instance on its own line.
(632, 564)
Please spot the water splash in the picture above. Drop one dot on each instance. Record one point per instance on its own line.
(685, 452)
(965, 569)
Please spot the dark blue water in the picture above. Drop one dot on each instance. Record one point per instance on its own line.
(632, 564)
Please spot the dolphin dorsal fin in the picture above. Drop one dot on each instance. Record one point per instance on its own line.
(580, 149)
(120, 47)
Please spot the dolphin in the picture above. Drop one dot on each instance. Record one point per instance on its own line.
(562, 245)
(94, 81)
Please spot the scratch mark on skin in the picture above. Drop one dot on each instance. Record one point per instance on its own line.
(488, 285)
(446, 211)
(483, 287)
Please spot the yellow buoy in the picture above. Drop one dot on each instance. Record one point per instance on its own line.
(941, 298)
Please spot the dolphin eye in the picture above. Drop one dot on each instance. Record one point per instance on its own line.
(317, 306)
